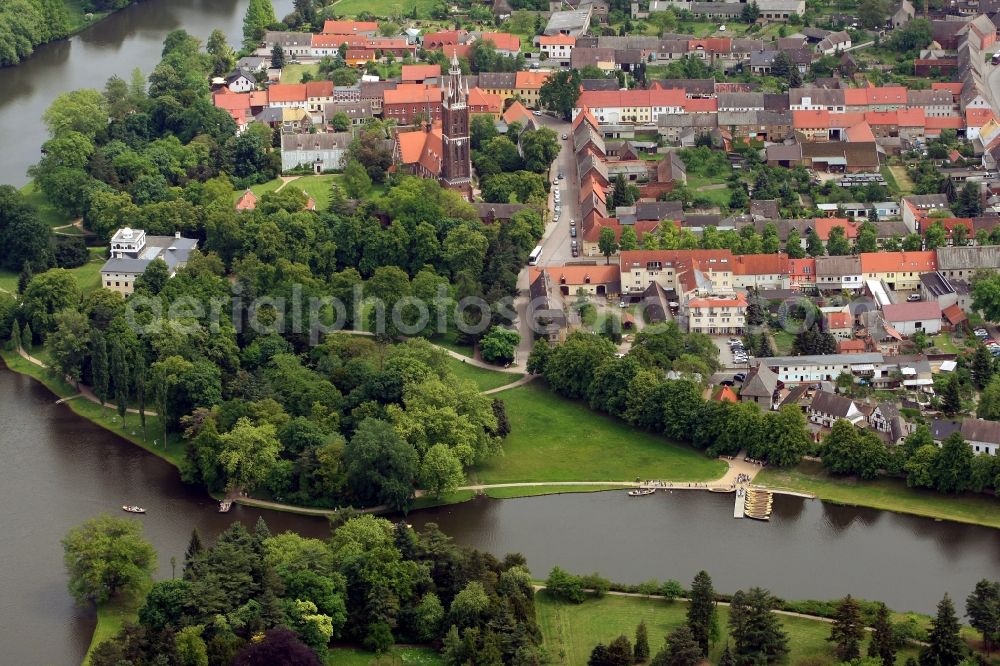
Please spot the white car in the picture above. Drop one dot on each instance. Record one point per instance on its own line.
(722, 28)
(537, 113)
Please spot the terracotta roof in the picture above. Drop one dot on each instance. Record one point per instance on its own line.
(334, 41)
(819, 119)
(411, 145)
(584, 115)
(590, 187)
(596, 274)
(825, 224)
(530, 80)
(480, 98)
(838, 320)
(319, 89)
(286, 92)
(592, 225)
(978, 117)
(738, 300)
(443, 38)
(954, 314)
(954, 88)
(725, 394)
(258, 98)
(430, 158)
(876, 118)
(348, 27)
(850, 345)
(860, 132)
(420, 72)
(892, 262)
(701, 105)
(504, 41)
(516, 113)
(557, 40)
(413, 93)
(631, 98)
(760, 264)
(913, 117)
(945, 122)
(232, 101)
(247, 201)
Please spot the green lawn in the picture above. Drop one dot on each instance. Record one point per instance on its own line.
(260, 189)
(110, 618)
(88, 276)
(387, 8)
(888, 494)
(77, 15)
(533, 491)
(317, 187)
(898, 177)
(448, 340)
(944, 342)
(419, 656)
(484, 379)
(293, 73)
(783, 341)
(8, 281)
(456, 497)
(47, 213)
(554, 439)
(570, 631)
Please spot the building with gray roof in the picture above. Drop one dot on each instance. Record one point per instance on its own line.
(132, 251)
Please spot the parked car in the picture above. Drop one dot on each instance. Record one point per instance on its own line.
(735, 341)
(572, 222)
(739, 377)
(913, 298)
(981, 333)
(622, 304)
(572, 232)
(561, 175)
(726, 382)
(565, 136)
(576, 252)
(537, 113)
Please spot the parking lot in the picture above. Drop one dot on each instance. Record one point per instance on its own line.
(730, 355)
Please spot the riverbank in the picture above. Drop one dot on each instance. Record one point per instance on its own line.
(77, 20)
(884, 494)
(111, 616)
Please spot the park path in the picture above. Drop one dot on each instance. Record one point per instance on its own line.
(285, 180)
(77, 223)
(85, 391)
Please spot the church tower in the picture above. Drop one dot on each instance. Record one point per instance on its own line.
(456, 167)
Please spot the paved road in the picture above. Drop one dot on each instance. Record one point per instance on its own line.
(993, 85)
(556, 247)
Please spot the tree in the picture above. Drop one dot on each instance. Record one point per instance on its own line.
(814, 341)
(945, 646)
(23, 237)
(45, 295)
(681, 649)
(989, 401)
(565, 586)
(872, 13)
(223, 58)
(628, 240)
(259, 15)
(560, 92)
(499, 345)
(248, 453)
(983, 608)
(278, 647)
(190, 647)
(951, 401)
(106, 557)
(755, 629)
(640, 653)
(793, 246)
(814, 245)
(702, 617)
(936, 236)
(84, 111)
(883, 642)
(341, 122)
(441, 470)
(357, 182)
(606, 243)
(837, 244)
(69, 344)
(848, 630)
(953, 467)
(99, 369)
(750, 13)
(277, 56)
(986, 294)
(381, 467)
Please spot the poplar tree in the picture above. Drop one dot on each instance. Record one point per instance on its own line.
(140, 396)
(641, 650)
(847, 630)
(15, 336)
(260, 14)
(120, 377)
(27, 338)
(99, 368)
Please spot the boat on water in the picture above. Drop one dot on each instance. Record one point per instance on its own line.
(130, 508)
(641, 492)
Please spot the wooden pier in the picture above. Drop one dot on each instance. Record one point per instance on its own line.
(740, 506)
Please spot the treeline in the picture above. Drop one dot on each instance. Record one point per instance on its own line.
(756, 635)
(25, 24)
(256, 598)
(512, 167)
(635, 389)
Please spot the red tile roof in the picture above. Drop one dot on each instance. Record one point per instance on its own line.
(530, 80)
(819, 119)
(739, 300)
(760, 264)
(924, 310)
(954, 314)
(443, 38)
(592, 226)
(480, 100)
(247, 201)
(596, 274)
(348, 27)
(944, 122)
(860, 132)
(584, 115)
(725, 394)
(516, 113)
(557, 40)
(891, 262)
(913, 117)
(413, 93)
(286, 92)
(504, 41)
(411, 145)
(418, 73)
(978, 117)
(825, 224)
(848, 346)
(701, 105)
(319, 89)
(232, 101)
(838, 320)
(632, 98)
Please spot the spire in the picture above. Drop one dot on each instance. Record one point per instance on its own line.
(455, 68)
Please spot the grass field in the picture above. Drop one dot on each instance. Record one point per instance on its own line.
(783, 341)
(47, 213)
(388, 8)
(317, 187)
(533, 491)
(110, 618)
(554, 439)
(902, 180)
(293, 73)
(888, 494)
(570, 631)
(484, 379)
(449, 341)
(260, 189)
(418, 656)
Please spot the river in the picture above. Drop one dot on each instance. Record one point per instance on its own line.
(130, 38)
(58, 470)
